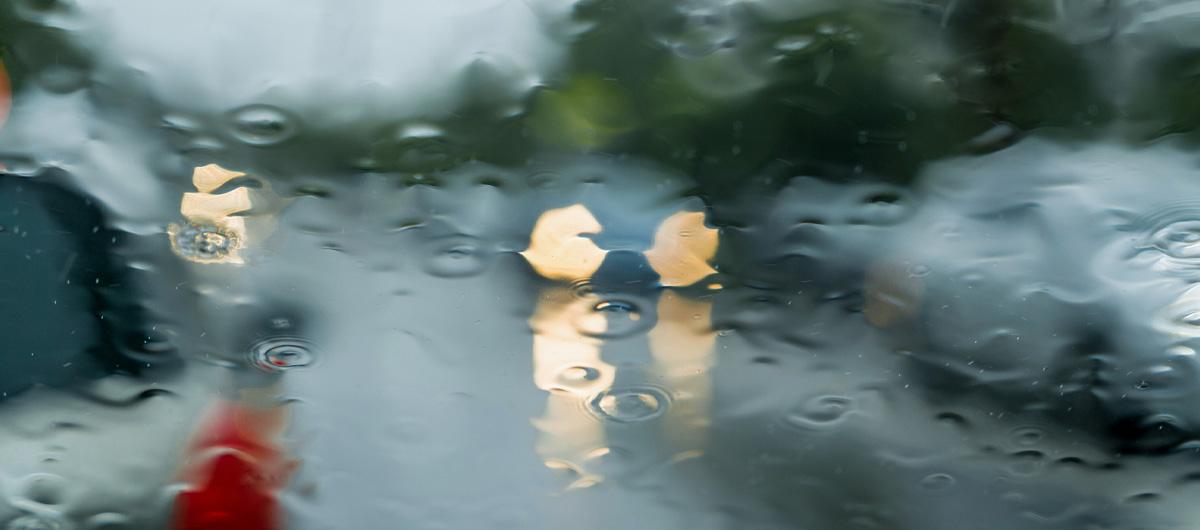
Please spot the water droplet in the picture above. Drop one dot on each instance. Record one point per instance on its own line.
(37, 522)
(582, 289)
(795, 43)
(937, 482)
(422, 148)
(1148, 496)
(261, 125)
(108, 521)
(624, 318)
(919, 270)
(820, 412)
(1191, 319)
(576, 374)
(1027, 463)
(45, 488)
(282, 353)
(1027, 436)
(627, 405)
(617, 306)
(695, 28)
(1180, 240)
(1172, 378)
(456, 257)
(203, 243)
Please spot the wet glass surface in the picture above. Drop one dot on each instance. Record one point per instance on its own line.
(686, 264)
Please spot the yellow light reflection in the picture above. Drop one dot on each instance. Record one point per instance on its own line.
(682, 248)
(683, 346)
(556, 249)
(893, 295)
(212, 233)
(567, 327)
(567, 365)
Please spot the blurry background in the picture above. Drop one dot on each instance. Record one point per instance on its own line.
(599, 263)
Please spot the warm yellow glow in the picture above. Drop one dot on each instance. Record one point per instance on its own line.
(567, 365)
(892, 294)
(566, 352)
(682, 248)
(683, 346)
(212, 233)
(567, 326)
(556, 249)
(204, 207)
(210, 177)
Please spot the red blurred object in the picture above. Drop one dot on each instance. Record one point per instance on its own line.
(234, 468)
(5, 94)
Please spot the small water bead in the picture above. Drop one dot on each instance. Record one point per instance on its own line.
(1027, 436)
(1148, 496)
(820, 412)
(262, 125)
(795, 43)
(937, 482)
(579, 380)
(576, 374)
(456, 257)
(1172, 378)
(624, 318)
(282, 353)
(883, 208)
(919, 270)
(618, 306)
(628, 405)
(827, 409)
(108, 521)
(582, 289)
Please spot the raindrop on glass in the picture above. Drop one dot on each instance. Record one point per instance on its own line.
(261, 125)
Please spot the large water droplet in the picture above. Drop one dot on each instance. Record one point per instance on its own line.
(282, 353)
(261, 125)
(626, 405)
(203, 243)
(422, 148)
(45, 488)
(820, 412)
